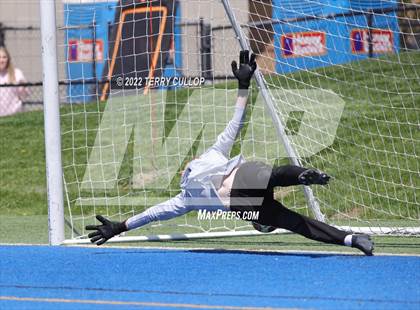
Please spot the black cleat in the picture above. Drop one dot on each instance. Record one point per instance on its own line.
(363, 243)
(312, 176)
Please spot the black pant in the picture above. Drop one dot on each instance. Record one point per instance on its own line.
(252, 190)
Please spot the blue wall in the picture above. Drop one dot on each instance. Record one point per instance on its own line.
(102, 14)
(339, 34)
(175, 68)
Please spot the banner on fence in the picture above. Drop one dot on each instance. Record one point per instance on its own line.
(330, 32)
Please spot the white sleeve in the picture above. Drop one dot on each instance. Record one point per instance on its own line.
(227, 138)
(164, 211)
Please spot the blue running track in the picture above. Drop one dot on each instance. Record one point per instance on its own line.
(42, 277)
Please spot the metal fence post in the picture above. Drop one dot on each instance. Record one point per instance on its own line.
(205, 49)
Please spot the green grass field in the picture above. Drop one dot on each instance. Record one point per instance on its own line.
(34, 230)
(373, 158)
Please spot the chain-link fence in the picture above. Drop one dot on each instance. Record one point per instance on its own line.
(204, 41)
(24, 97)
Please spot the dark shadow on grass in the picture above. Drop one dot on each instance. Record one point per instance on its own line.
(257, 242)
(145, 251)
(267, 253)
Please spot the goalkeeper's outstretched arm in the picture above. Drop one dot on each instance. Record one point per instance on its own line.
(243, 73)
(176, 206)
(167, 210)
(164, 211)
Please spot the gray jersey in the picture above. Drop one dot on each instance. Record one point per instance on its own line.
(201, 177)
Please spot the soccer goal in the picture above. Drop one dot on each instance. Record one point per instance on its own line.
(150, 88)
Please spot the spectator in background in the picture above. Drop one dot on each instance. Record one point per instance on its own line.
(10, 97)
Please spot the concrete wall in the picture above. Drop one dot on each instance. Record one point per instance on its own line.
(225, 47)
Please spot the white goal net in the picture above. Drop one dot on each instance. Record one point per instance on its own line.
(150, 88)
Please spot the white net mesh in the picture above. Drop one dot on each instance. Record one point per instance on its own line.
(343, 76)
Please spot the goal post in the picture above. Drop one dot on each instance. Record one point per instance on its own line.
(52, 131)
(149, 88)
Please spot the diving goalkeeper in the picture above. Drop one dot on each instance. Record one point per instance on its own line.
(214, 182)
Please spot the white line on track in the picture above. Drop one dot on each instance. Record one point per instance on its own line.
(132, 303)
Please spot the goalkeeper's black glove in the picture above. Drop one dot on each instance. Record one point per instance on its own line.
(312, 176)
(246, 69)
(105, 231)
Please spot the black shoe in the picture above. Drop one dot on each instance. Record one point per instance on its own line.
(312, 176)
(363, 243)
